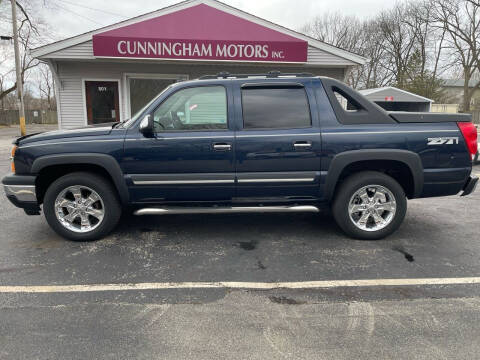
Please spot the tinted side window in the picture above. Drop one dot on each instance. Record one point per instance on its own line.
(198, 108)
(275, 108)
(346, 101)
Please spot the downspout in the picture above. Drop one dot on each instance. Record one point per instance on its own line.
(53, 66)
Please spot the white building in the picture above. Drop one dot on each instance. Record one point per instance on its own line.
(110, 73)
(393, 99)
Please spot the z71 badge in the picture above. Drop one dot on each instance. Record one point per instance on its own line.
(442, 141)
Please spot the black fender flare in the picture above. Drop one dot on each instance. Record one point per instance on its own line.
(105, 161)
(343, 159)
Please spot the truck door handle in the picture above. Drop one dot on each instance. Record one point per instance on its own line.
(302, 144)
(222, 147)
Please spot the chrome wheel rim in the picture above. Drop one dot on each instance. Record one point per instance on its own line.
(79, 208)
(372, 208)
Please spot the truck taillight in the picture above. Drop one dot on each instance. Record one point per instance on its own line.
(469, 133)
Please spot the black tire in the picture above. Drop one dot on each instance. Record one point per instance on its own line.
(348, 188)
(112, 206)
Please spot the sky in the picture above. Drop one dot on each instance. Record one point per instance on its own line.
(67, 18)
(73, 17)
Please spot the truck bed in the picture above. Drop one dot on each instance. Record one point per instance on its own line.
(424, 117)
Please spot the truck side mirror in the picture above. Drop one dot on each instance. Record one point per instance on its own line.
(146, 126)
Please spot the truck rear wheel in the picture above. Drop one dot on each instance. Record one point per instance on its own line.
(81, 206)
(369, 205)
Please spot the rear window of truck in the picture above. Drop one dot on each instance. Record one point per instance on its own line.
(275, 108)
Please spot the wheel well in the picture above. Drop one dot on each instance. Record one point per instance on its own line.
(49, 174)
(396, 169)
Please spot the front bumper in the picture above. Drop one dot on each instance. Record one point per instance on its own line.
(20, 190)
(470, 186)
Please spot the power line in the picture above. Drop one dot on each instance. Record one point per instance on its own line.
(94, 9)
(79, 15)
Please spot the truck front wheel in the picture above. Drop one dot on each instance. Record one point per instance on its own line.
(81, 206)
(369, 205)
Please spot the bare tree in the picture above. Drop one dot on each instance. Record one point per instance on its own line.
(30, 31)
(424, 65)
(373, 73)
(3, 76)
(352, 34)
(45, 86)
(461, 21)
(336, 29)
(403, 45)
(429, 40)
(400, 41)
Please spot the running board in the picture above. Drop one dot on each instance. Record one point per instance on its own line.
(225, 209)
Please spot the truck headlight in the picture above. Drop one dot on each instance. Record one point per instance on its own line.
(12, 158)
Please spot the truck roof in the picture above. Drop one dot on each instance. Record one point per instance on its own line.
(269, 75)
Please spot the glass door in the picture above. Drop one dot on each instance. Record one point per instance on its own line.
(102, 101)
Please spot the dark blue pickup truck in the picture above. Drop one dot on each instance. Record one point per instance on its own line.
(245, 143)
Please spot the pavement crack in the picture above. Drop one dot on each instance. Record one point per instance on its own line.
(285, 300)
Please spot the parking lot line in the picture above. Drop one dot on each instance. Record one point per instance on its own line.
(238, 285)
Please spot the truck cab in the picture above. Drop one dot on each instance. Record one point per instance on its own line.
(258, 139)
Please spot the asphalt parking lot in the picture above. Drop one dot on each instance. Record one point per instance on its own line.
(439, 239)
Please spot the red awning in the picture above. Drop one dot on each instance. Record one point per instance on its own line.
(200, 32)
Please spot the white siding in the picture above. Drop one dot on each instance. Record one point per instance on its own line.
(72, 100)
(320, 57)
(71, 73)
(80, 51)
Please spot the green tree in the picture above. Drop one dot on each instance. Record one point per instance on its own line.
(421, 81)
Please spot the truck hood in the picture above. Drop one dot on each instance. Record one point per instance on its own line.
(92, 130)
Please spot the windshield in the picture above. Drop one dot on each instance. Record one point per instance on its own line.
(129, 122)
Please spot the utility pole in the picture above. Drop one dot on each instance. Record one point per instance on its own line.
(18, 68)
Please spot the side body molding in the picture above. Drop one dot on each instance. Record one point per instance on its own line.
(107, 162)
(343, 159)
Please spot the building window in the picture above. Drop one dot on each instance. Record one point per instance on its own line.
(143, 90)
